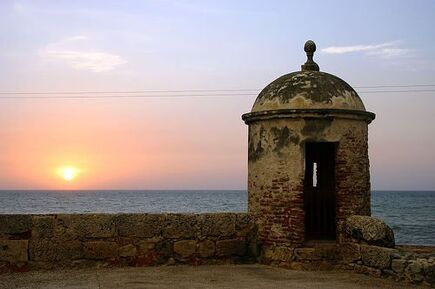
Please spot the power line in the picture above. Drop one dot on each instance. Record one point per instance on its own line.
(179, 95)
(204, 93)
(188, 90)
(126, 96)
(130, 91)
(396, 86)
(389, 91)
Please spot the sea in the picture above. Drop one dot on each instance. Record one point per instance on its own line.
(411, 214)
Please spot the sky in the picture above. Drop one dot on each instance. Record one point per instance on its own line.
(200, 142)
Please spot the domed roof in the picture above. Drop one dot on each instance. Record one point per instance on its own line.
(308, 89)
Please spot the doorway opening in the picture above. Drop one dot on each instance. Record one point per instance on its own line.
(319, 191)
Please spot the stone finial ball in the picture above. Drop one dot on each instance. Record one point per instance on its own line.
(310, 46)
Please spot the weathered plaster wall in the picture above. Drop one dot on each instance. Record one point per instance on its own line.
(277, 167)
(75, 240)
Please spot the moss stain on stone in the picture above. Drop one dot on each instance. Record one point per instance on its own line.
(283, 137)
(255, 149)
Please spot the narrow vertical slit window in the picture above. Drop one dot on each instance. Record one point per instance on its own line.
(314, 175)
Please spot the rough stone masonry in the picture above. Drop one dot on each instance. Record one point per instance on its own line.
(79, 240)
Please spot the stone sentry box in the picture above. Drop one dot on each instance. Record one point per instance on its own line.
(308, 165)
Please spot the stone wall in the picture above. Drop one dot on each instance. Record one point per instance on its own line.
(367, 247)
(414, 265)
(79, 240)
(29, 242)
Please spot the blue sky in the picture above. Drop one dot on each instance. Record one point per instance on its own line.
(170, 45)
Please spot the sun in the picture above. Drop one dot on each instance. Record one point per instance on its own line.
(68, 173)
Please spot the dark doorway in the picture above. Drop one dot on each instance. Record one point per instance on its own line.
(319, 190)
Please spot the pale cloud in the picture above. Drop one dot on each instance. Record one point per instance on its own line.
(94, 61)
(386, 50)
(68, 52)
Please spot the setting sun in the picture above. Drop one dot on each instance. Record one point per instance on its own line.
(68, 173)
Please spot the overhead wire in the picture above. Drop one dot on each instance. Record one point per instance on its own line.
(396, 86)
(128, 91)
(205, 93)
(124, 96)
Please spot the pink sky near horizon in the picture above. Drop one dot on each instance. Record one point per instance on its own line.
(200, 142)
(116, 145)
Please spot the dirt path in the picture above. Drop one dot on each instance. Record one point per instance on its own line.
(189, 277)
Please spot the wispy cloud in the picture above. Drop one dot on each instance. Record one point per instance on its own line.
(94, 61)
(67, 52)
(387, 49)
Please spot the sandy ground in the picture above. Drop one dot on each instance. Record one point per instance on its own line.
(189, 277)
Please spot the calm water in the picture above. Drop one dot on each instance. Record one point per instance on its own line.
(410, 214)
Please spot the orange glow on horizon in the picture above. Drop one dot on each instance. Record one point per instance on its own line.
(115, 145)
